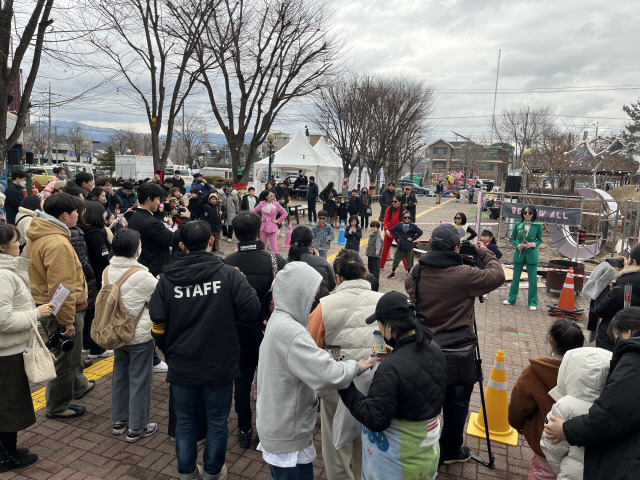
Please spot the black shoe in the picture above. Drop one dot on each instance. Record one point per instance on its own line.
(256, 441)
(392, 275)
(19, 461)
(244, 438)
(464, 454)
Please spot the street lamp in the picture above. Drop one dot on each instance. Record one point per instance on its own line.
(270, 139)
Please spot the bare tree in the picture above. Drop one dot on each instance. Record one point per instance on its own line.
(35, 138)
(549, 156)
(139, 37)
(127, 141)
(78, 140)
(267, 53)
(28, 48)
(523, 127)
(190, 138)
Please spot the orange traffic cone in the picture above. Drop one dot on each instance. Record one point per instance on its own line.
(567, 300)
(497, 403)
(287, 240)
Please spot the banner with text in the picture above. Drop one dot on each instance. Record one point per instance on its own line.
(558, 215)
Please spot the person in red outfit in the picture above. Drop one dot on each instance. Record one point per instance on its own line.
(392, 217)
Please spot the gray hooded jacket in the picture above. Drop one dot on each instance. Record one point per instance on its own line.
(293, 367)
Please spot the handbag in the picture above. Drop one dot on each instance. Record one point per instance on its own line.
(367, 211)
(459, 349)
(38, 360)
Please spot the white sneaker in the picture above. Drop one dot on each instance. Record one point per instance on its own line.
(105, 354)
(228, 240)
(533, 309)
(160, 368)
(85, 350)
(507, 302)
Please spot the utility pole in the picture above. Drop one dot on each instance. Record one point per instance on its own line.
(55, 130)
(49, 160)
(495, 97)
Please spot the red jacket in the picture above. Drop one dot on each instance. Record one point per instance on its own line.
(392, 217)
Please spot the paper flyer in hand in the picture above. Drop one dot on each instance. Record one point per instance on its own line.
(59, 297)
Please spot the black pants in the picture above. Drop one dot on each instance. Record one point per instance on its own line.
(312, 210)
(8, 443)
(454, 411)
(383, 209)
(364, 221)
(87, 341)
(227, 230)
(242, 384)
(374, 266)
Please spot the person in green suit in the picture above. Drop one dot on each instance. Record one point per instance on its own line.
(526, 237)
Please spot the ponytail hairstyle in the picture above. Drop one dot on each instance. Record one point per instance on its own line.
(566, 335)
(301, 239)
(488, 233)
(626, 319)
(402, 326)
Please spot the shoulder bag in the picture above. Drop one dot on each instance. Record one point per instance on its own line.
(38, 360)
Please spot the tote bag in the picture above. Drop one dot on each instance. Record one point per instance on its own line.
(38, 360)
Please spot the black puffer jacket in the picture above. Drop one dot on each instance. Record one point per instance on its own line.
(98, 249)
(80, 246)
(610, 432)
(409, 385)
(611, 303)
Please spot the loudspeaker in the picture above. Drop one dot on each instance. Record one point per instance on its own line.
(13, 157)
(512, 183)
(29, 158)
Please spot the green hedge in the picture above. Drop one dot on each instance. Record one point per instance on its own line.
(215, 180)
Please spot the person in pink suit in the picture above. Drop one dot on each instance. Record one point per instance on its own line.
(269, 229)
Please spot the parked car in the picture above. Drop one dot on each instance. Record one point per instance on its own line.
(41, 174)
(416, 188)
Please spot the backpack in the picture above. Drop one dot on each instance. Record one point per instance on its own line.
(112, 327)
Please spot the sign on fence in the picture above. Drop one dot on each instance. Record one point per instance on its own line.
(558, 215)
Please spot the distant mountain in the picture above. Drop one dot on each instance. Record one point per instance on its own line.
(102, 134)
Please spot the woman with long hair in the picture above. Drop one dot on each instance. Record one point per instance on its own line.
(328, 196)
(365, 207)
(270, 209)
(18, 314)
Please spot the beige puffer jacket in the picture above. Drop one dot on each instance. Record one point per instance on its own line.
(16, 304)
(135, 291)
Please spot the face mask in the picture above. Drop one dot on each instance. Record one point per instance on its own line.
(23, 184)
(139, 251)
(390, 341)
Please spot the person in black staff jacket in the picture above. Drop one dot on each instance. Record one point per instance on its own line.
(610, 432)
(156, 238)
(312, 198)
(194, 312)
(409, 202)
(386, 197)
(14, 195)
(409, 385)
(177, 181)
(259, 266)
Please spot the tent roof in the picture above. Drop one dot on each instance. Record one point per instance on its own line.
(323, 149)
(297, 154)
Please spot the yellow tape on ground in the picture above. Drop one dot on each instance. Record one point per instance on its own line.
(94, 372)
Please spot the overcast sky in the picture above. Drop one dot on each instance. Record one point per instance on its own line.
(580, 58)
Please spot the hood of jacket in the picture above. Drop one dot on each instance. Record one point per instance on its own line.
(627, 271)
(44, 224)
(598, 280)
(294, 290)
(440, 259)
(18, 265)
(24, 211)
(546, 369)
(196, 267)
(582, 374)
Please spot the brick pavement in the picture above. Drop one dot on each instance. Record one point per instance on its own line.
(85, 449)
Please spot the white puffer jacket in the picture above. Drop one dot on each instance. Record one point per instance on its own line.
(581, 378)
(16, 304)
(135, 291)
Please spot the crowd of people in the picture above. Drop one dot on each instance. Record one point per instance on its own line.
(299, 329)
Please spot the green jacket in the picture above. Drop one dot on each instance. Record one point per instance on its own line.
(527, 255)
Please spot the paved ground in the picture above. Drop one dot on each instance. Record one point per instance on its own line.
(84, 448)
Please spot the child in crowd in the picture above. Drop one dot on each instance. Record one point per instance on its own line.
(353, 208)
(283, 225)
(353, 235)
(343, 211)
(214, 214)
(374, 247)
(581, 378)
(489, 241)
(405, 233)
(323, 234)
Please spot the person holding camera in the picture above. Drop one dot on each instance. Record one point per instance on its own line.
(526, 237)
(18, 314)
(54, 262)
(445, 290)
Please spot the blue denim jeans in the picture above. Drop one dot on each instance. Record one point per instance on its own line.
(217, 399)
(302, 471)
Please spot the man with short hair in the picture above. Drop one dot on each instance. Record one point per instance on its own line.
(128, 199)
(312, 198)
(282, 191)
(199, 183)
(177, 181)
(249, 201)
(156, 238)
(446, 294)
(113, 202)
(409, 202)
(231, 203)
(15, 194)
(195, 309)
(386, 198)
(259, 266)
(53, 263)
(84, 180)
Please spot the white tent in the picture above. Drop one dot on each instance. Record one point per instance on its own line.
(299, 155)
(323, 148)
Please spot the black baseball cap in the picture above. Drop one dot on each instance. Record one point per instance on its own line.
(228, 184)
(445, 237)
(393, 306)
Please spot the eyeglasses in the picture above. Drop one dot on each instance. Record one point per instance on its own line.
(407, 188)
(395, 201)
(527, 213)
(322, 218)
(407, 218)
(457, 218)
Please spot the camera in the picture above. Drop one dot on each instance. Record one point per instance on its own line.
(58, 342)
(468, 250)
(615, 262)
